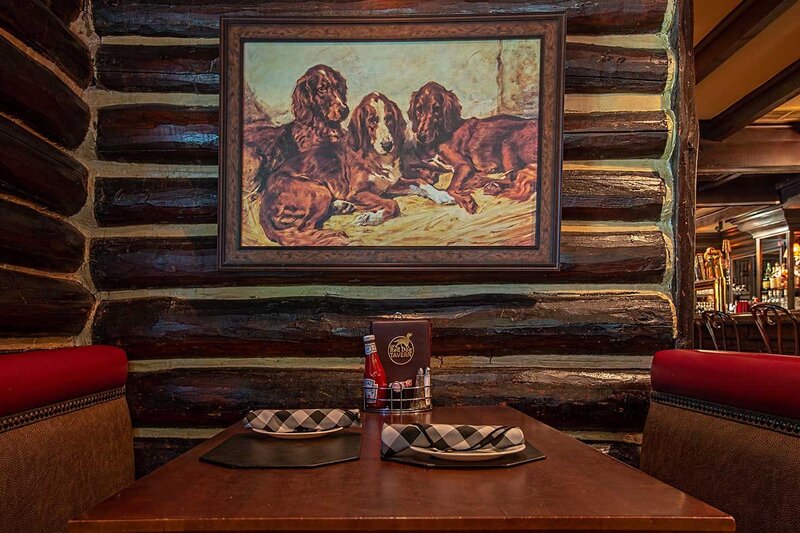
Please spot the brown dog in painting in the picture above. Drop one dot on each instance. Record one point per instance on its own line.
(319, 105)
(336, 178)
(474, 148)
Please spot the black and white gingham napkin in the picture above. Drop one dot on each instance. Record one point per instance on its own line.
(294, 420)
(444, 437)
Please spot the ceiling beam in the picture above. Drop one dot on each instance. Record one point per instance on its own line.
(721, 214)
(747, 190)
(776, 91)
(722, 179)
(754, 150)
(734, 31)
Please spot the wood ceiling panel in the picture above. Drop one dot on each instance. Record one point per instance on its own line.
(772, 50)
(709, 13)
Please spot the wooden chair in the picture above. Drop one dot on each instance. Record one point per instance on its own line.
(718, 322)
(770, 316)
(698, 332)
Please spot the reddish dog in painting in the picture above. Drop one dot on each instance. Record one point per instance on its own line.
(319, 105)
(336, 178)
(473, 147)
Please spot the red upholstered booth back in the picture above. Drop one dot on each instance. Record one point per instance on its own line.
(725, 428)
(35, 379)
(754, 381)
(65, 435)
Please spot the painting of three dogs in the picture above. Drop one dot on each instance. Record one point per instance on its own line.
(380, 175)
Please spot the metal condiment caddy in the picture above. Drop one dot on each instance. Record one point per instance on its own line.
(399, 390)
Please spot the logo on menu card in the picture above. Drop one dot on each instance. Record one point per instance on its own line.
(401, 349)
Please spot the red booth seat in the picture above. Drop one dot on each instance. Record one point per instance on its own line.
(725, 428)
(65, 435)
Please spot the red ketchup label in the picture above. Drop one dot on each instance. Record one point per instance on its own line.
(374, 375)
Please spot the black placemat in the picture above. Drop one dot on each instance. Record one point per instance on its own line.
(412, 457)
(251, 450)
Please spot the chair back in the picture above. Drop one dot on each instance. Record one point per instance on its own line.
(770, 317)
(719, 325)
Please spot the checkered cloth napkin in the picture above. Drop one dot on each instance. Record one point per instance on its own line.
(297, 420)
(398, 437)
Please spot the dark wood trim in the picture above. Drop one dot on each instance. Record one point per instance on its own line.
(35, 240)
(36, 306)
(137, 263)
(723, 213)
(776, 91)
(734, 31)
(623, 322)
(164, 133)
(684, 167)
(590, 69)
(33, 169)
(210, 397)
(754, 150)
(201, 18)
(34, 24)
(35, 95)
(747, 190)
(586, 195)
(66, 10)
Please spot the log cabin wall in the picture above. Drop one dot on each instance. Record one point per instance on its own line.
(571, 347)
(45, 66)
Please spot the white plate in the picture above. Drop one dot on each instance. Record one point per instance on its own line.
(466, 457)
(298, 435)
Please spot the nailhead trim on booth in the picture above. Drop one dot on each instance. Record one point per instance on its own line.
(41, 413)
(780, 424)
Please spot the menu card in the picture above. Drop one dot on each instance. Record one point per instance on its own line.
(404, 347)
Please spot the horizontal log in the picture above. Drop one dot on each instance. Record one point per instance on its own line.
(590, 69)
(611, 195)
(158, 133)
(597, 69)
(214, 397)
(136, 263)
(66, 10)
(34, 170)
(35, 95)
(162, 133)
(36, 306)
(150, 453)
(585, 195)
(35, 240)
(34, 24)
(137, 68)
(131, 201)
(201, 18)
(627, 452)
(481, 324)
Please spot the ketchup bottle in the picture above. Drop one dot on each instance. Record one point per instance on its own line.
(374, 376)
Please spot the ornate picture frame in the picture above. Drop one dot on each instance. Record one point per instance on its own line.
(396, 143)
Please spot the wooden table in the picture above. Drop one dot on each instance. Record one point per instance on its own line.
(575, 489)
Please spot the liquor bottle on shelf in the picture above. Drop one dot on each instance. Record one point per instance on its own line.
(773, 279)
(765, 279)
